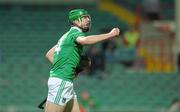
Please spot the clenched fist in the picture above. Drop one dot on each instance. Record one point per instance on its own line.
(114, 32)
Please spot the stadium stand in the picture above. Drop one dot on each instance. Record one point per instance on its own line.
(167, 7)
(26, 35)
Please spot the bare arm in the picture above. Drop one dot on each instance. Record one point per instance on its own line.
(97, 38)
(49, 54)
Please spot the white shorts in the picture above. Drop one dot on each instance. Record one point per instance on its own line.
(60, 91)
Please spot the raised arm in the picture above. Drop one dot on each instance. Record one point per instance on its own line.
(97, 38)
(49, 54)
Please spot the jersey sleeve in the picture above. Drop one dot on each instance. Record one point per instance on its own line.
(79, 34)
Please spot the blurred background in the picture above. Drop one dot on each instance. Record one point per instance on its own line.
(135, 72)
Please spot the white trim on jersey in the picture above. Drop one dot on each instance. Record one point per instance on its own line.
(77, 28)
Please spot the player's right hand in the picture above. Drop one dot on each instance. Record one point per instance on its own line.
(114, 32)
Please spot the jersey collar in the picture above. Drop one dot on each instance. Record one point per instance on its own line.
(76, 28)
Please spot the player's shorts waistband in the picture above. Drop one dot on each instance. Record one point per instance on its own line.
(69, 80)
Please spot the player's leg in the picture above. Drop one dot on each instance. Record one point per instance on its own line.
(75, 107)
(72, 106)
(56, 89)
(51, 107)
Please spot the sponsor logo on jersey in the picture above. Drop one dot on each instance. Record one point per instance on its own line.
(63, 100)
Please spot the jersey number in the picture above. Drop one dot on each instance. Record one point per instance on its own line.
(58, 47)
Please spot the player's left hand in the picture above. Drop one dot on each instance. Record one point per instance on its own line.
(85, 62)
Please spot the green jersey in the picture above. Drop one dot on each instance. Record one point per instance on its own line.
(67, 55)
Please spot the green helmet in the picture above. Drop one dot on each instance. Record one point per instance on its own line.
(76, 14)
